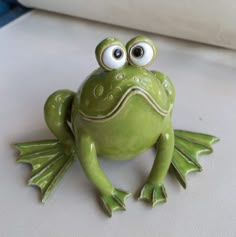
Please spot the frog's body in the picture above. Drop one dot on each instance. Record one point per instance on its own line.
(142, 126)
(112, 142)
(121, 110)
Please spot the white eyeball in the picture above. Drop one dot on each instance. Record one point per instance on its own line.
(141, 54)
(113, 57)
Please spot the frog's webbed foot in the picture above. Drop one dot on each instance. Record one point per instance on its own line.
(153, 193)
(49, 160)
(153, 190)
(188, 147)
(114, 201)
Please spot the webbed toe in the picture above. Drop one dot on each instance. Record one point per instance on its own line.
(153, 194)
(115, 201)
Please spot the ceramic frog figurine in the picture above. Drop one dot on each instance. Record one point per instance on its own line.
(121, 110)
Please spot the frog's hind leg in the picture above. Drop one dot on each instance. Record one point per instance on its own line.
(188, 146)
(50, 159)
(49, 163)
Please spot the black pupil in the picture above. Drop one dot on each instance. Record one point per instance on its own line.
(118, 53)
(138, 52)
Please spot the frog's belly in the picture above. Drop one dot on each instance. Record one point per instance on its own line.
(133, 130)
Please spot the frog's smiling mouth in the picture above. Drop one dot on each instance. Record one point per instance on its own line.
(129, 93)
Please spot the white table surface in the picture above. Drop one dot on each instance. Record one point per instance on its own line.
(43, 52)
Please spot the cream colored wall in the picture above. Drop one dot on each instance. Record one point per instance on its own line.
(211, 21)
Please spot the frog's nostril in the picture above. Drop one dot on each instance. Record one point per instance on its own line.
(110, 97)
(120, 76)
(136, 79)
(98, 90)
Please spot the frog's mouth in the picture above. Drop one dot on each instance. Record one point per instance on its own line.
(129, 93)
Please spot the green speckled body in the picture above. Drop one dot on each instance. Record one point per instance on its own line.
(125, 135)
(135, 126)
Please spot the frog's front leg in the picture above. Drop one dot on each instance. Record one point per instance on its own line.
(113, 199)
(154, 191)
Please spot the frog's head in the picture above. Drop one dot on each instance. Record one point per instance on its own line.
(122, 74)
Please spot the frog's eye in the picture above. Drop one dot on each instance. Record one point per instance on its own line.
(141, 51)
(113, 57)
(111, 54)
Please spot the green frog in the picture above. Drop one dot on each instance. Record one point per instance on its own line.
(121, 110)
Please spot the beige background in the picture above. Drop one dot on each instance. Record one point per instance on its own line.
(41, 53)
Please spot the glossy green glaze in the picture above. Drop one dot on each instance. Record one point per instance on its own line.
(121, 110)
